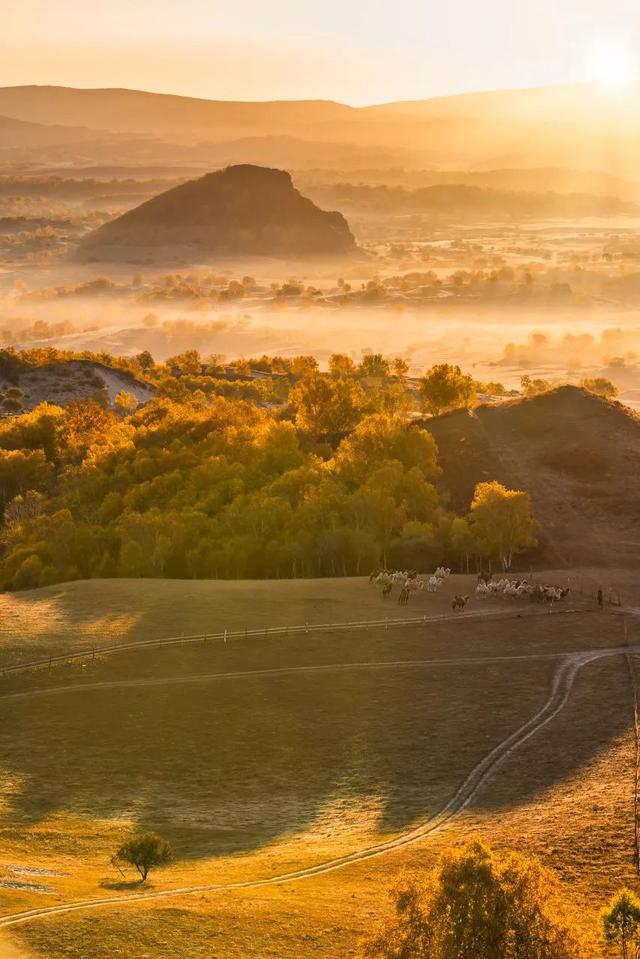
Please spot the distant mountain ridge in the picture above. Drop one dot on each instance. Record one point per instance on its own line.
(20, 133)
(574, 126)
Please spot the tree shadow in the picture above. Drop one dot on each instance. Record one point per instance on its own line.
(124, 885)
(224, 768)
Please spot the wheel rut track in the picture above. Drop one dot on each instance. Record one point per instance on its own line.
(561, 687)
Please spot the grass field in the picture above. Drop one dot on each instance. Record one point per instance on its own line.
(102, 612)
(252, 776)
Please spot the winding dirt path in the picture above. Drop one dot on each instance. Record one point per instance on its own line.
(561, 686)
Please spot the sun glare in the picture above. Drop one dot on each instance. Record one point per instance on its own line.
(611, 66)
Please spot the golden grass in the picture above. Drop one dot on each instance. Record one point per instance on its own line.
(253, 777)
(102, 612)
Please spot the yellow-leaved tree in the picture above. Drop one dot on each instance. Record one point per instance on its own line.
(480, 905)
(501, 521)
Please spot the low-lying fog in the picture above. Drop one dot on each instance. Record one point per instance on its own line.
(495, 345)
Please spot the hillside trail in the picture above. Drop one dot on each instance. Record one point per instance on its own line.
(561, 686)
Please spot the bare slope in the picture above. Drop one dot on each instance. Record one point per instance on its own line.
(62, 382)
(242, 210)
(578, 456)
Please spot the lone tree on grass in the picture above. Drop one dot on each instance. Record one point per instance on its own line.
(501, 521)
(621, 924)
(446, 387)
(479, 905)
(144, 853)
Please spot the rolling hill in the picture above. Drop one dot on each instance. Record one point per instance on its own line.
(576, 454)
(134, 111)
(575, 126)
(23, 133)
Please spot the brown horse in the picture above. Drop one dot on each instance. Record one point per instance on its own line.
(459, 602)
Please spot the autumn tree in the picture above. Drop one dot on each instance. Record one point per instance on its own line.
(373, 365)
(303, 365)
(380, 438)
(621, 924)
(400, 368)
(326, 406)
(601, 386)
(533, 387)
(188, 362)
(341, 365)
(144, 853)
(501, 521)
(479, 905)
(125, 402)
(446, 387)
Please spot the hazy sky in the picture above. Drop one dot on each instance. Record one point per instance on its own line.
(357, 51)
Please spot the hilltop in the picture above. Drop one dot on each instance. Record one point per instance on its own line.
(242, 210)
(575, 453)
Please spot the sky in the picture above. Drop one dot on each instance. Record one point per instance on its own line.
(355, 51)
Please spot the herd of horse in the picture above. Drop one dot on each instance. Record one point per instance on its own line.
(411, 581)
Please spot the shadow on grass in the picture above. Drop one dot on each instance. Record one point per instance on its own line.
(226, 768)
(124, 885)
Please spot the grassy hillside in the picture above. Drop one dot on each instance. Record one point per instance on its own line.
(95, 613)
(251, 777)
(578, 457)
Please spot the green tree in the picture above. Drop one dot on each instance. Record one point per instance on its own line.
(479, 905)
(21, 471)
(446, 387)
(463, 542)
(621, 924)
(144, 853)
(29, 573)
(501, 521)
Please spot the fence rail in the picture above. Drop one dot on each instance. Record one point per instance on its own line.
(226, 635)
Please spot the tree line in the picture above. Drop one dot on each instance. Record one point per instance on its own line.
(331, 481)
